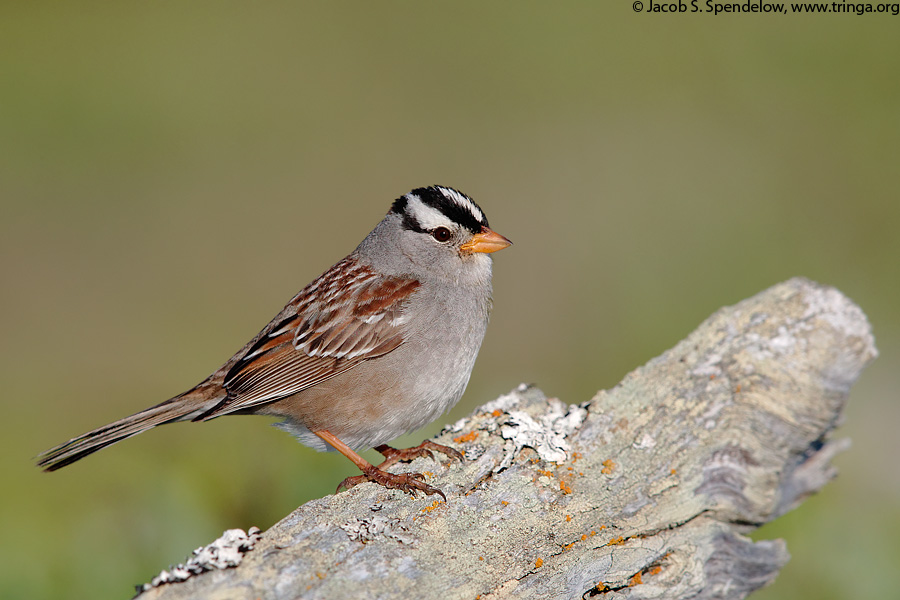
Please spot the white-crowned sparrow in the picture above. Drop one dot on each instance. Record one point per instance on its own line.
(380, 344)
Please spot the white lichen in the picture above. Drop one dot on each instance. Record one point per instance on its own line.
(505, 402)
(547, 434)
(224, 553)
(366, 530)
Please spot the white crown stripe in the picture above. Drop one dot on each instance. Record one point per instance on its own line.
(462, 201)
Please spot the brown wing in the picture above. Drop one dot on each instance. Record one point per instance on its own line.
(348, 315)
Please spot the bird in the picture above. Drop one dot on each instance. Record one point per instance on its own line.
(380, 344)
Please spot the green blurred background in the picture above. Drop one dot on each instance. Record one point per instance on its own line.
(171, 173)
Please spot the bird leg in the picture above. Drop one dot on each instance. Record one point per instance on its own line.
(407, 482)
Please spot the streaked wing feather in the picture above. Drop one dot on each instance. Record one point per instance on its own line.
(284, 373)
(346, 316)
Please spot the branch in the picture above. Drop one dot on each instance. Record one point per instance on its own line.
(645, 491)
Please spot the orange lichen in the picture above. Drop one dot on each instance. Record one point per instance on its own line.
(565, 487)
(539, 563)
(711, 377)
(636, 580)
(504, 503)
(467, 437)
(583, 536)
(608, 466)
(545, 473)
(655, 570)
(568, 518)
(673, 471)
(497, 413)
(567, 546)
(576, 456)
(434, 505)
(600, 586)
(616, 541)
(737, 389)
(480, 558)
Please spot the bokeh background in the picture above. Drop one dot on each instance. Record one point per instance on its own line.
(171, 173)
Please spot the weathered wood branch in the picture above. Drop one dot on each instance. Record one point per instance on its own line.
(645, 491)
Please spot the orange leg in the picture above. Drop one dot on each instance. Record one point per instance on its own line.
(343, 448)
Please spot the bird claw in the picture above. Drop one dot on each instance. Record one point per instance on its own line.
(405, 482)
(425, 449)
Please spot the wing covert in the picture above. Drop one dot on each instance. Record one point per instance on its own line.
(348, 315)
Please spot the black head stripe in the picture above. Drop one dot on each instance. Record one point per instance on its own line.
(456, 211)
(409, 222)
(399, 205)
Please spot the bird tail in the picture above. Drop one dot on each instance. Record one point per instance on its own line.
(179, 408)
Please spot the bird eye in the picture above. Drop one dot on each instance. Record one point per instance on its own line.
(441, 234)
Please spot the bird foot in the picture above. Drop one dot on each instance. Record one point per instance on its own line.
(426, 449)
(407, 482)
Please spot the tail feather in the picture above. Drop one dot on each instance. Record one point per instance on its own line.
(180, 408)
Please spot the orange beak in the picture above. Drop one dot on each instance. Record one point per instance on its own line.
(487, 240)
